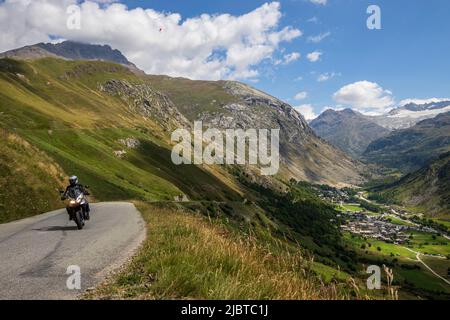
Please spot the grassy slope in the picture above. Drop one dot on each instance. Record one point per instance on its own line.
(192, 97)
(412, 277)
(237, 266)
(410, 149)
(55, 107)
(426, 190)
(20, 161)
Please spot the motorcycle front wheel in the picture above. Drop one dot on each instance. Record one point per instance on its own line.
(79, 220)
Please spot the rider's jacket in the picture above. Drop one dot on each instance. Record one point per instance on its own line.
(72, 189)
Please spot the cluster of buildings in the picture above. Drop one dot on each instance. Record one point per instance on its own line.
(333, 196)
(379, 227)
(375, 227)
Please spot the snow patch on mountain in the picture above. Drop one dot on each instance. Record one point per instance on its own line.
(427, 113)
(411, 111)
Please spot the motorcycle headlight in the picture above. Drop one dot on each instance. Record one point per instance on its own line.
(72, 202)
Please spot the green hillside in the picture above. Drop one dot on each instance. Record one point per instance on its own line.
(425, 191)
(29, 179)
(411, 149)
(54, 105)
(111, 127)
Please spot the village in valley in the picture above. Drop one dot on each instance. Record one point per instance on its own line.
(365, 218)
(416, 246)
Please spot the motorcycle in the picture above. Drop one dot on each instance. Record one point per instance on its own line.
(75, 201)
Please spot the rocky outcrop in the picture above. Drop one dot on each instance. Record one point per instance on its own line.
(119, 153)
(130, 143)
(142, 99)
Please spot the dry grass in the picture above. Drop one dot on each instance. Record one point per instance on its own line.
(29, 179)
(188, 257)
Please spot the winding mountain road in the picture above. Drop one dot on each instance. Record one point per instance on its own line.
(427, 266)
(35, 253)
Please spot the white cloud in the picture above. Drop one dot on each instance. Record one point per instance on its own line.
(319, 37)
(327, 76)
(220, 46)
(321, 2)
(422, 101)
(301, 95)
(288, 58)
(314, 56)
(365, 96)
(307, 111)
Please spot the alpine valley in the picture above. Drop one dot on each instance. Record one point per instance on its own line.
(348, 193)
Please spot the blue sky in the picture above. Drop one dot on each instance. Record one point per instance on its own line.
(259, 42)
(409, 56)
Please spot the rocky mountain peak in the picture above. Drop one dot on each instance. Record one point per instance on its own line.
(347, 129)
(70, 50)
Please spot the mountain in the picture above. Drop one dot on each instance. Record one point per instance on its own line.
(347, 129)
(77, 112)
(427, 190)
(112, 127)
(409, 113)
(228, 104)
(410, 149)
(70, 50)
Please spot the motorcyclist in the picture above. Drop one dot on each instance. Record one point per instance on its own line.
(72, 187)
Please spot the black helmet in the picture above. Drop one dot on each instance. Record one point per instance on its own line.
(73, 180)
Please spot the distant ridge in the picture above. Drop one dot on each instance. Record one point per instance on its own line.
(70, 50)
(412, 148)
(427, 189)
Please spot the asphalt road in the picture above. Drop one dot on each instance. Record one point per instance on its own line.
(36, 252)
